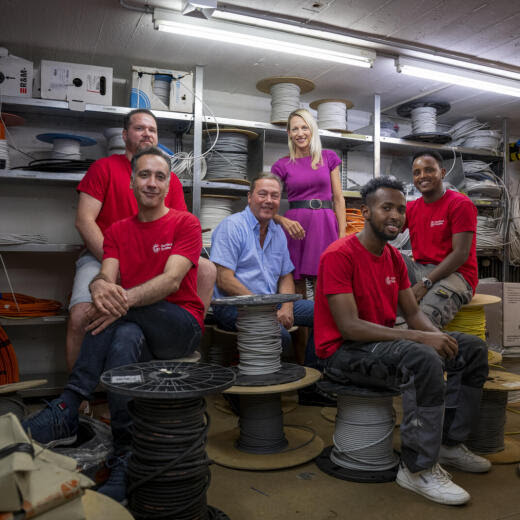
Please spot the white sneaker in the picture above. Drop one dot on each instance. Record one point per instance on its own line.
(462, 458)
(434, 484)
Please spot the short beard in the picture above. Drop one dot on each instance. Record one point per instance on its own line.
(381, 234)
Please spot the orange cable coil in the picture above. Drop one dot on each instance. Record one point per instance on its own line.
(8, 361)
(29, 306)
(355, 221)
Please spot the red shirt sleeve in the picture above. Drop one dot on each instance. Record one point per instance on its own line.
(463, 217)
(175, 197)
(95, 181)
(188, 238)
(110, 247)
(336, 272)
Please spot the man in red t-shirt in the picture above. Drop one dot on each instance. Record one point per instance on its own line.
(361, 280)
(443, 225)
(153, 312)
(105, 197)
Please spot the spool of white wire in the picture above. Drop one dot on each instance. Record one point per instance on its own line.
(4, 155)
(424, 119)
(285, 95)
(332, 113)
(213, 210)
(115, 143)
(161, 87)
(483, 140)
(66, 149)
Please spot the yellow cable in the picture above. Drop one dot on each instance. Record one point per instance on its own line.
(470, 320)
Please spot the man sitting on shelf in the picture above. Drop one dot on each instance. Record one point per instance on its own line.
(250, 251)
(443, 225)
(105, 197)
(153, 312)
(361, 280)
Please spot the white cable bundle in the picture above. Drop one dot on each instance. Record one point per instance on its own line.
(4, 155)
(484, 140)
(115, 143)
(15, 238)
(424, 120)
(228, 160)
(182, 165)
(332, 115)
(401, 239)
(285, 98)
(161, 87)
(213, 210)
(489, 233)
(514, 232)
(463, 129)
(66, 149)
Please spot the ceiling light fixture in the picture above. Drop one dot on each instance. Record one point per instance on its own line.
(457, 76)
(262, 38)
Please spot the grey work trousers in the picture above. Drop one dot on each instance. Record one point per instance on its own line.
(434, 411)
(445, 298)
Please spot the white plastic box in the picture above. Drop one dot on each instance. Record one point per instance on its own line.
(180, 92)
(16, 75)
(76, 83)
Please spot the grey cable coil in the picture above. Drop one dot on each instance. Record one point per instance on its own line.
(228, 158)
(285, 98)
(424, 120)
(363, 434)
(488, 435)
(261, 424)
(261, 345)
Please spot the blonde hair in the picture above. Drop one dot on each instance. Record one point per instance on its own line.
(315, 146)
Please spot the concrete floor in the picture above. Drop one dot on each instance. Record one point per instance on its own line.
(305, 493)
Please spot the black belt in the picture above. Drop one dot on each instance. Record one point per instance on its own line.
(310, 204)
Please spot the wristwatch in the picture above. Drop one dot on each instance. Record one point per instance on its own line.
(427, 283)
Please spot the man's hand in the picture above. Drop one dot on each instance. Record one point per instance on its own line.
(98, 321)
(445, 345)
(285, 315)
(109, 298)
(293, 227)
(419, 291)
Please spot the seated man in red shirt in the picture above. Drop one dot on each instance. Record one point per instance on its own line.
(105, 196)
(443, 225)
(153, 312)
(361, 280)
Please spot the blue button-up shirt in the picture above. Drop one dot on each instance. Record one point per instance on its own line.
(235, 244)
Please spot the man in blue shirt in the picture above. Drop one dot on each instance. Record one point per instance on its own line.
(250, 251)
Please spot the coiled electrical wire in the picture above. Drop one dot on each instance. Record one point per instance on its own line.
(363, 434)
(489, 233)
(15, 238)
(514, 232)
(182, 165)
(285, 98)
(228, 158)
(168, 473)
(213, 211)
(462, 129)
(470, 320)
(261, 424)
(332, 115)
(16, 305)
(259, 342)
(488, 435)
(8, 361)
(424, 120)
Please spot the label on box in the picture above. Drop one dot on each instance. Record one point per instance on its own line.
(127, 379)
(511, 314)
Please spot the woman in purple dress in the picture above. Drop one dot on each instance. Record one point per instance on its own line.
(316, 217)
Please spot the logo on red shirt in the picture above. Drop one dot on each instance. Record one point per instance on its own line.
(390, 280)
(434, 223)
(161, 247)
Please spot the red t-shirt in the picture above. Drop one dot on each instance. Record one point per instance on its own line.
(433, 225)
(346, 266)
(108, 180)
(143, 248)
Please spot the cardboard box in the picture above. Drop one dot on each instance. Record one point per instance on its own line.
(16, 76)
(494, 314)
(180, 93)
(511, 303)
(78, 84)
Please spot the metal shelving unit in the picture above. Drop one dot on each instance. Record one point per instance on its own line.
(41, 248)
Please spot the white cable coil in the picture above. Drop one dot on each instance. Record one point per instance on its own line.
(260, 348)
(514, 232)
(489, 233)
(459, 131)
(285, 98)
(115, 143)
(66, 149)
(161, 88)
(228, 158)
(213, 210)
(332, 115)
(4, 155)
(363, 433)
(401, 239)
(182, 165)
(15, 238)
(424, 120)
(484, 140)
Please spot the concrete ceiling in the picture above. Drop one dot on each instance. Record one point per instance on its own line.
(102, 32)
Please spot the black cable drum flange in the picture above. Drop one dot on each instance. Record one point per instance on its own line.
(168, 473)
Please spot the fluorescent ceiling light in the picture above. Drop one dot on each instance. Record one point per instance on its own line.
(262, 38)
(457, 76)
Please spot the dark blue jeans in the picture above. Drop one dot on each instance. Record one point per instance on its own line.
(162, 330)
(226, 317)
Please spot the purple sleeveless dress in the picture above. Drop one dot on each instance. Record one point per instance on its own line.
(321, 225)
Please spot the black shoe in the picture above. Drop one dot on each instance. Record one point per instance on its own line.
(115, 486)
